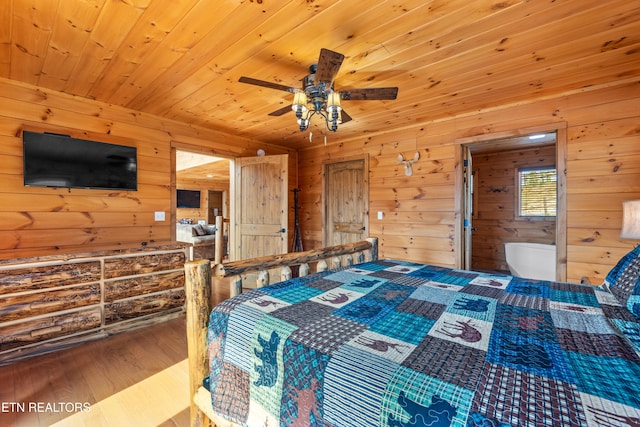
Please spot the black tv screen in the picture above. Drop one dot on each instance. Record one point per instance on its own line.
(188, 198)
(52, 160)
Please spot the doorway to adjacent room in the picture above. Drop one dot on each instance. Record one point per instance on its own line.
(504, 178)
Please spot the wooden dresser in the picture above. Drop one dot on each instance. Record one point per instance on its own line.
(49, 303)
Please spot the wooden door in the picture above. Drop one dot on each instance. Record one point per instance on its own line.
(346, 201)
(468, 183)
(259, 206)
(215, 205)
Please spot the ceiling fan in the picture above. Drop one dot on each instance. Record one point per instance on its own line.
(317, 95)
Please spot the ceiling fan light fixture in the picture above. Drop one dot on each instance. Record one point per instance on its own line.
(333, 110)
(303, 123)
(299, 103)
(333, 102)
(317, 96)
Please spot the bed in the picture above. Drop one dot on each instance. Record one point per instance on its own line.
(369, 342)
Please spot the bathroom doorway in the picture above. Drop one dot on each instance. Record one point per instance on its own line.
(512, 190)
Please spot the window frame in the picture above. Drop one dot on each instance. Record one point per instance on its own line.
(518, 193)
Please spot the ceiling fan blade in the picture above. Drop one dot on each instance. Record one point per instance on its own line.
(328, 65)
(345, 117)
(369, 93)
(281, 111)
(262, 83)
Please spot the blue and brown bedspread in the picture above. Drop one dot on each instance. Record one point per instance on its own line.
(392, 343)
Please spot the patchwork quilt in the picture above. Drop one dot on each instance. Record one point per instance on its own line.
(394, 343)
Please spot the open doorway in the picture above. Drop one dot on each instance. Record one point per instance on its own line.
(208, 175)
(202, 184)
(513, 198)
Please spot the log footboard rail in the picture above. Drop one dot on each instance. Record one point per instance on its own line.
(198, 275)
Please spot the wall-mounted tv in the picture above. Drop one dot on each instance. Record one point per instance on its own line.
(53, 160)
(188, 199)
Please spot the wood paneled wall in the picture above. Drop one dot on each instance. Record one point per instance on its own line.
(421, 212)
(495, 219)
(43, 221)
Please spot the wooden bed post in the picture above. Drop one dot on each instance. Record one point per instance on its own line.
(198, 307)
(374, 248)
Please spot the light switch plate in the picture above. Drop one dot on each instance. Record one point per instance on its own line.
(159, 216)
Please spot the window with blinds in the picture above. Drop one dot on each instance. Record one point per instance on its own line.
(537, 192)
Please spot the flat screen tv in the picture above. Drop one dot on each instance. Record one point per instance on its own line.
(53, 160)
(188, 199)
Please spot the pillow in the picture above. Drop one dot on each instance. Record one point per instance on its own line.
(624, 281)
(198, 230)
(209, 229)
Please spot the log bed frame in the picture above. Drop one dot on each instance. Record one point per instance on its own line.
(198, 276)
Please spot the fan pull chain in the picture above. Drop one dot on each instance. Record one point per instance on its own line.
(311, 138)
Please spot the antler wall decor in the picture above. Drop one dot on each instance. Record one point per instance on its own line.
(408, 168)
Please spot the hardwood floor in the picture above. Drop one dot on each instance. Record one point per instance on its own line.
(137, 378)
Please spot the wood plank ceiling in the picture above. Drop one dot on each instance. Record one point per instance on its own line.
(182, 59)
